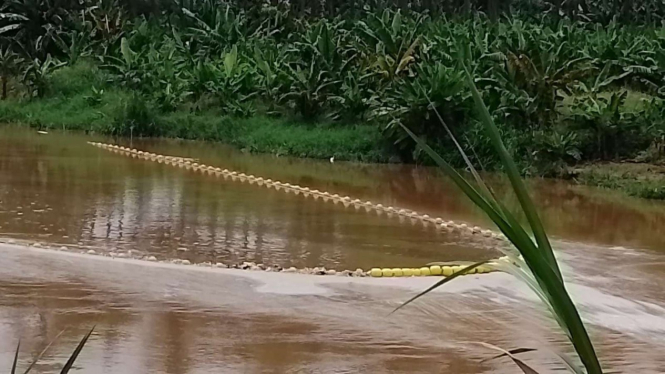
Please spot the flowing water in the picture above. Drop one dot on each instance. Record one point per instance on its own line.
(161, 318)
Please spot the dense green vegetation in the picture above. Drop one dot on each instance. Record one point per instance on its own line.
(565, 84)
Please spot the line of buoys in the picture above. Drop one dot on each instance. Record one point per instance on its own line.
(430, 270)
(347, 201)
(368, 206)
(434, 270)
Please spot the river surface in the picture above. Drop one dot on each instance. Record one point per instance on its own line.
(161, 318)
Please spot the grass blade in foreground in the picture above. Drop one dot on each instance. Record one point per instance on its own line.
(440, 283)
(526, 369)
(549, 277)
(75, 354)
(41, 354)
(16, 357)
(539, 256)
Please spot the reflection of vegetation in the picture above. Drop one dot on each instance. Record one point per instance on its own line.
(532, 260)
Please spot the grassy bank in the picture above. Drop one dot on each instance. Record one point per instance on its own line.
(635, 179)
(562, 91)
(79, 99)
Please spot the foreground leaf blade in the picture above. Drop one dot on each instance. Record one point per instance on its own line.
(39, 356)
(509, 352)
(441, 283)
(526, 369)
(75, 354)
(18, 347)
(515, 178)
(543, 264)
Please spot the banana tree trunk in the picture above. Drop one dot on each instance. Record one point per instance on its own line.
(4, 87)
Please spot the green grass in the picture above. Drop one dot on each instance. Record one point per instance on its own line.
(71, 104)
(279, 136)
(638, 180)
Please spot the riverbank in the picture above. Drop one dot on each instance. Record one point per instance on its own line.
(635, 179)
(260, 134)
(279, 136)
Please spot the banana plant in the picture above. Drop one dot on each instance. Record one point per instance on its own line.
(35, 75)
(309, 91)
(414, 102)
(127, 67)
(74, 44)
(9, 66)
(356, 97)
(214, 26)
(393, 43)
(271, 80)
(10, 21)
(605, 122)
(227, 79)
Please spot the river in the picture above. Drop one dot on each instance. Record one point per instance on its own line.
(57, 190)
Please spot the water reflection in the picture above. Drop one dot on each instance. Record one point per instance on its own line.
(59, 189)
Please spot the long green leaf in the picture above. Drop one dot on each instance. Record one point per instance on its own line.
(543, 266)
(8, 28)
(511, 351)
(515, 178)
(18, 347)
(514, 233)
(41, 354)
(526, 369)
(75, 354)
(440, 283)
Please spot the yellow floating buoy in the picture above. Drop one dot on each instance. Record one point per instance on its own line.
(447, 271)
(397, 272)
(387, 272)
(407, 272)
(425, 271)
(484, 269)
(435, 270)
(375, 272)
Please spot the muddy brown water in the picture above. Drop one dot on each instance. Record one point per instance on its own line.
(161, 318)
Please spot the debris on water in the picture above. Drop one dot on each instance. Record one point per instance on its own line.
(331, 272)
(185, 262)
(183, 249)
(63, 248)
(290, 270)
(221, 265)
(152, 258)
(36, 245)
(11, 241)
(42, 132)
(91, 252)
(122, 255)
